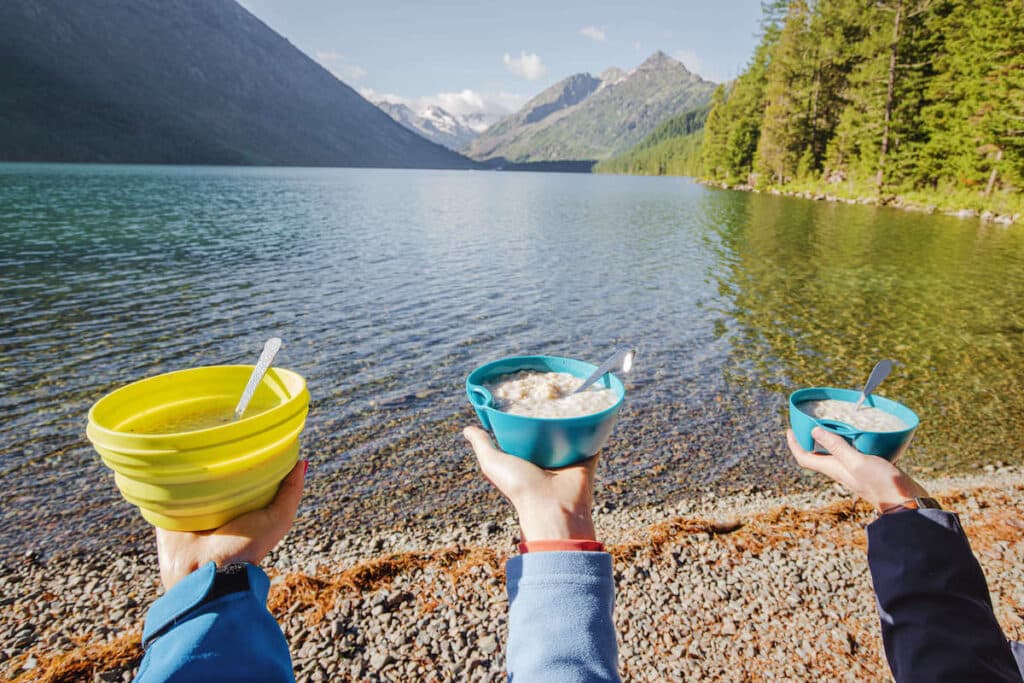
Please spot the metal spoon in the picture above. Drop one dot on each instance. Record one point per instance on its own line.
(621, 359)
(880, 372)
(270, 350)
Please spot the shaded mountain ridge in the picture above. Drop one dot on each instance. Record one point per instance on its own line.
(182, 82)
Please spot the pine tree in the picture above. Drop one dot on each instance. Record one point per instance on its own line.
(885, 95)
(786, 129)
(734, 126)
(837, 29)
(976, 116)
(716, 130)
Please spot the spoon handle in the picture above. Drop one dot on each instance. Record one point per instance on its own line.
(270, 350)
(618, 359)
(880, 372)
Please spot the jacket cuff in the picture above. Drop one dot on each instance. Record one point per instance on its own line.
(191, 593)
(565, 544)
(558, 567)
(904, 521)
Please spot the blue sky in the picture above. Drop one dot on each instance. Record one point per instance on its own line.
(493, 56)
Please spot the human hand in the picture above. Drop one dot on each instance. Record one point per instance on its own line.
(247, 538)
(874, 479)
(552, 505)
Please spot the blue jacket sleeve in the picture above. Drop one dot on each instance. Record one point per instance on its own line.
(933, 601)
(231, 637)
(560, 625)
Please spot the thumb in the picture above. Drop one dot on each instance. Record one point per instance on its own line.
(509, 474)
(488, 457)
(835, 444)
(479, 440)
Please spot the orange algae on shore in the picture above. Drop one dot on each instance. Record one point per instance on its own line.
(992, 519)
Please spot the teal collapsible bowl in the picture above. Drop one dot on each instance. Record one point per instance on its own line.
(888, 445)
(546, 442)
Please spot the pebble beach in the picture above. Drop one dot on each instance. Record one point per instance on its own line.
(749, 586)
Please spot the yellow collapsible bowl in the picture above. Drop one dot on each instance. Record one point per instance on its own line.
(194, 478)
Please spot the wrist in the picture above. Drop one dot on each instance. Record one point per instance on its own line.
(556, 523)
(903, 488)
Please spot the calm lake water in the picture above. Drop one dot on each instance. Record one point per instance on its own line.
(388, 287)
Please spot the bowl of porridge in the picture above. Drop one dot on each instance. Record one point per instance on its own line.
(179, 455)
(880, 427)
(529, 405)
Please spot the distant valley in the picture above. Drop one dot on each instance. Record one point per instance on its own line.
(587, 117)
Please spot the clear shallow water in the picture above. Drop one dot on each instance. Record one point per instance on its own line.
(388, 287)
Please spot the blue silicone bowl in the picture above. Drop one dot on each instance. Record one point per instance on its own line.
(888, 445)
(546, 442)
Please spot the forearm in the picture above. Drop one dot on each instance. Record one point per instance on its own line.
(560, 617)
(933, 601)
(209, 629)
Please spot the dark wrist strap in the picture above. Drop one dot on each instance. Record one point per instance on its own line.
(231, 578)
(912, 504)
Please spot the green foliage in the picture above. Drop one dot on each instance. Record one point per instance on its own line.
(788, 78)
(678, 126)
(734, 123)
(918, 99)
(679, 155)
(975, 113)
(672, 149)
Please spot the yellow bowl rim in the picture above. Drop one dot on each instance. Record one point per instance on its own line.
(98, 433)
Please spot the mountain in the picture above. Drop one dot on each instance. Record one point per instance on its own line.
(432, 122)
(672, 149)
(583, 117)
(181, 81)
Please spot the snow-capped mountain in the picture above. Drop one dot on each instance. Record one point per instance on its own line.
(435, 124)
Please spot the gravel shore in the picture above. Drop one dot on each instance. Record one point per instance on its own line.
(745, 587)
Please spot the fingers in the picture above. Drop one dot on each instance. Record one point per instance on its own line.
(591, 465)
(824, 464)
(286, 503)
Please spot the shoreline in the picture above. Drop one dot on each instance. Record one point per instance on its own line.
(736, 585)
(895, 202)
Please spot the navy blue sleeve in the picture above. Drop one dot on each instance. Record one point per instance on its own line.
(933, 601)
(232, 637)
(560, 625)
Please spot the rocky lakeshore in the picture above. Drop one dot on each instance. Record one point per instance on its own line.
(743, 587)
(895, 202)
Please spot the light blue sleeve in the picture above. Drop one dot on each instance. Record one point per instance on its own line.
(230, 638)
(560, 625)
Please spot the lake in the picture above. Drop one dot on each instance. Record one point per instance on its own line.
(388, 287)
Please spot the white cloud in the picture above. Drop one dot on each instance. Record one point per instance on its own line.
(478, 110)
(339, 65)
(527, 66)
(374, 96)
(696, 65)
(691, 61)
(594, 33)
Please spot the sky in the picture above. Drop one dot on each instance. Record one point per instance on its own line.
(491, 57)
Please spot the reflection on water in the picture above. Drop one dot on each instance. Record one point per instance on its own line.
(820, 292)
(388, 287)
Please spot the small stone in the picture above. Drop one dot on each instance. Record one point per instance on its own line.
(380, 660)
(487, 645)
